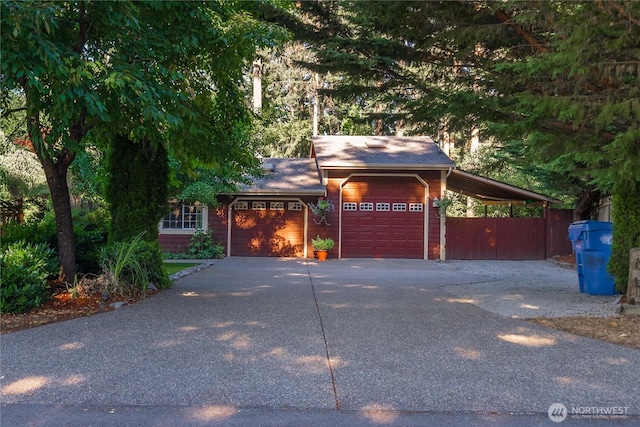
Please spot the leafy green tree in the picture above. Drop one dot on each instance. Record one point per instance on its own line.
(158, 72)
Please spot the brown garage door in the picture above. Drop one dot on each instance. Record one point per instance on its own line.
(383, 217)
(267, 228)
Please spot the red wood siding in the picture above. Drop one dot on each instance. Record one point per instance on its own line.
(217, 222)
(174, 242)
(508, 238)
(520, 238)
(433, 178)
(558, 221)
(267, 232)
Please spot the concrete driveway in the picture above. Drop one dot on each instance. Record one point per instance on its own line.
(263, 341)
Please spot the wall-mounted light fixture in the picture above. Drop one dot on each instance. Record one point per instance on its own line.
(436, 202)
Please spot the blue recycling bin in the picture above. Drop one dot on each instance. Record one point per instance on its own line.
(591, 241)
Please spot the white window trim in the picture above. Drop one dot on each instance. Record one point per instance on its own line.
(205, 225)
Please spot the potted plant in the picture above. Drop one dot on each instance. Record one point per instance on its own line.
(322, 246)
(321, 209)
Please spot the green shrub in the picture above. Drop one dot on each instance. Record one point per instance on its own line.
(43, 231)
(90, 228)
(24, 269)
(121, 265)
(626, 231)
(151, 260)
(202, 245)
(322, 244)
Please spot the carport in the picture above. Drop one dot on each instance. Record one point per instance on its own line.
(505, 238)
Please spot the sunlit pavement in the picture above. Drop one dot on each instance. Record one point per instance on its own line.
(262, 341)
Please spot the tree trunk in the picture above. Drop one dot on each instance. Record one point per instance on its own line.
(586, 205)
(56, 173)
(55, 163)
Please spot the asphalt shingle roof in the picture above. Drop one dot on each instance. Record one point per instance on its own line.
(389, 152)
(287, 176)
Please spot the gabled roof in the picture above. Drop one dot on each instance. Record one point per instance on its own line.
(286, 177)
(371, 152)
(491, 191)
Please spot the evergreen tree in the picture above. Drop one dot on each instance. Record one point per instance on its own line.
(554, 83)
(137, 191)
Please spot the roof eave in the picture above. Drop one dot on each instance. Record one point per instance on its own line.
(360, 166)
(284, 193)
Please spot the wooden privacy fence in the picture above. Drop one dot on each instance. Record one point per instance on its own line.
(509, 238)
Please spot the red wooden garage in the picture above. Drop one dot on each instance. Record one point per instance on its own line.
(270, 217)
(384, 186)
(383, 189)
(267, 227)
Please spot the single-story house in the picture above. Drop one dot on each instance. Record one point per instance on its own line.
(385, 191)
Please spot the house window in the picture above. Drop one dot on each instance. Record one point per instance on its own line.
(295, 206)
(183, 216)
(349, 206)
(259, 206)
(399, 207)
(276, 206)
(241, 206)
(415, 207)
(385, 207)
(366, 206)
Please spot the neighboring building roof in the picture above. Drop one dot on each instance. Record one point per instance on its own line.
(371, 152)
(286, 177)
(491, 191)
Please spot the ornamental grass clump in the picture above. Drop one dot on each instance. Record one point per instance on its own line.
(122, 266)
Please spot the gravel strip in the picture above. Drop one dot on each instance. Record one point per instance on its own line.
(527, 289)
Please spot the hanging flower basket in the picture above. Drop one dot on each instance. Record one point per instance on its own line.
(321, 209)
